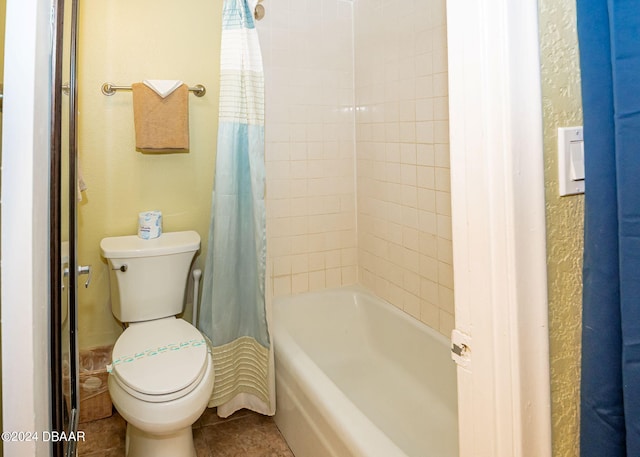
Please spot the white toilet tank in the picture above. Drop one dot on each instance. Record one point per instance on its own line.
(148, 277)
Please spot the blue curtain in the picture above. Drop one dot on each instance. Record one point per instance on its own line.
(232, 310)
(609, 41)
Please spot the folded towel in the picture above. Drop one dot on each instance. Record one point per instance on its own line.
(162, 124)
(162, 87)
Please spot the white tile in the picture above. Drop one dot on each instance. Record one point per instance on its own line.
(445, 280)
(280, 246)
(410, 196)
(442, 179)
(441, 132)
(429, 268)
(426, 177)
(408, 110)
(442, 155)
(426, 200)
(408, 153)
(317, 280)
(407, 132)
(425, 154)
(445, 251)
(299, 244)
(424, 87)
(443, 203)
(300, 283)
(316, 261)
(282, 285)
(425, 109)
(299, 263)
(440, 84)
(427, 222)
(429, 290)
(282, 266)
(349, 275)
(441, 108)
(333, 277)
(424, 64)
(430, 314)
(411, 304)
(429, 245)
(446, 324)
(411, 282)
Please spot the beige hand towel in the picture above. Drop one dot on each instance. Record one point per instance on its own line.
(162, 124)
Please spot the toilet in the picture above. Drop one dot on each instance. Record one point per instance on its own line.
(161, 376)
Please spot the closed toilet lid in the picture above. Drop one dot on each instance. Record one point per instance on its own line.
(161, 357)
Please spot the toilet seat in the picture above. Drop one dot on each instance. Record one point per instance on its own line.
(160, 360)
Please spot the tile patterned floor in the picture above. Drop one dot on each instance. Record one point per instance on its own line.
(244, 434)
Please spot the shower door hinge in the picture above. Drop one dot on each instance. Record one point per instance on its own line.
(461, 348)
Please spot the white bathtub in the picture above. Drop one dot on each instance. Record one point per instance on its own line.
(355, 376)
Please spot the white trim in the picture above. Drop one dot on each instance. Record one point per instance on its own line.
(497, 187)
(25, 225)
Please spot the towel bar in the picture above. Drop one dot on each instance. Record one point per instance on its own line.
(110, 89)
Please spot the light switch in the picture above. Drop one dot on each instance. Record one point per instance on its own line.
(576, 160)
(571, 160)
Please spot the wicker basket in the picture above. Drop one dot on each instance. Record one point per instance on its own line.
(95, 402)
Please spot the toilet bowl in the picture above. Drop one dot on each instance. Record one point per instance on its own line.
(160, 383)
(161, 376)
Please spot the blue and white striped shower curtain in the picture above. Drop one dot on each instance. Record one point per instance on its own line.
(232, 311)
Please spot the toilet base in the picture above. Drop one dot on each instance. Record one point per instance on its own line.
(142, 444)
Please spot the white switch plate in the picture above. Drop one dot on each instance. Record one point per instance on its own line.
(570, 160)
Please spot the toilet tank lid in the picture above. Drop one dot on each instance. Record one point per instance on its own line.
(124, 247)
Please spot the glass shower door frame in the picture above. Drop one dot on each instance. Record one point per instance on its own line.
(64, 265)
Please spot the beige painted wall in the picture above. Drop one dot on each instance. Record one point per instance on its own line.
(125, 42)
(562, 107)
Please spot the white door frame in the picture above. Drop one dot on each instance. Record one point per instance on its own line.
(25, 225)
(499, 237)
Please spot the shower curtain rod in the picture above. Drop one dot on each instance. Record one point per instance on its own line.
(110, 89)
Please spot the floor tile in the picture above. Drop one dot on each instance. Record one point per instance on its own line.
(250, 436)
(102, 435)
(200, 443)
(243, 434)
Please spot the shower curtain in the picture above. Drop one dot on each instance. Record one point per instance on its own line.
(609, 32)
(232, 311)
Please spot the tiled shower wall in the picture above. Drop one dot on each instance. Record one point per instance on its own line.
(310, 151)
(402, 131)
(356, 95)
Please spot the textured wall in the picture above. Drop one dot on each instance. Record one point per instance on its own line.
(562, 108)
